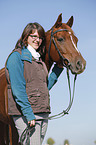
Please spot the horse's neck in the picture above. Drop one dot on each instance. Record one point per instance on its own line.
(2, 71)
(48, 62)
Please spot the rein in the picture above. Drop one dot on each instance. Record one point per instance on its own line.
(64, 112)
(26, 132)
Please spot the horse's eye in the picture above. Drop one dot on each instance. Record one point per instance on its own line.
(60, 39)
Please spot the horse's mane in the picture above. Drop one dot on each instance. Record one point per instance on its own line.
(2, 72)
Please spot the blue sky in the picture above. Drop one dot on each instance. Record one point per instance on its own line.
(79, 127)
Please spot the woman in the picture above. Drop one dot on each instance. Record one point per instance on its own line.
(26, 73)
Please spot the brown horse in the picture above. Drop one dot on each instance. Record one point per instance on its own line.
(61, 47)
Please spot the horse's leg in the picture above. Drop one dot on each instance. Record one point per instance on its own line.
(2, 129)
(10, 134)
(14, 137)
(6, 134)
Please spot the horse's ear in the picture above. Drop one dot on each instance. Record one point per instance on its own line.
(59, 21)
(70, 22)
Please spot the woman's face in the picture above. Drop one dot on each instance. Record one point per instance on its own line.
(34, 40)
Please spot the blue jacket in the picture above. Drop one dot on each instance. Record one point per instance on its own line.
(15, 67)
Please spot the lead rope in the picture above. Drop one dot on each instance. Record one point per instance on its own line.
(26, 132)
(71, 98)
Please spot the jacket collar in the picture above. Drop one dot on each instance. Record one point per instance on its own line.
(26, 55)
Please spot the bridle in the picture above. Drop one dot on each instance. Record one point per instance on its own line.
(65, 61)
(66, 111)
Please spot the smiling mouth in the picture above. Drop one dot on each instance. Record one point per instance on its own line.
(36, 43)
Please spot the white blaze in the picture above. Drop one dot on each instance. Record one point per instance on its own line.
(73, 42)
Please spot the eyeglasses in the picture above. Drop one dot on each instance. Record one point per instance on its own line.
(34, 37)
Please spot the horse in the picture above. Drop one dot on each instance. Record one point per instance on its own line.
(61, 48)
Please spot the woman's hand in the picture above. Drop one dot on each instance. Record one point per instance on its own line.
(32, 123)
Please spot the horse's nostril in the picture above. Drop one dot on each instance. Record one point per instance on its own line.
(79, 65)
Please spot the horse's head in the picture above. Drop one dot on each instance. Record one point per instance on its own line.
(62, 43)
